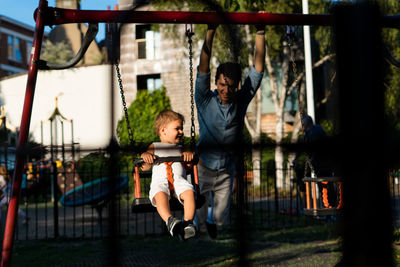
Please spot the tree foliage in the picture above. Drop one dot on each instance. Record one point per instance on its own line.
(230, 40)
(235, 43)
(229, 44)
(57, 52)
(142, 113)
(391, 39)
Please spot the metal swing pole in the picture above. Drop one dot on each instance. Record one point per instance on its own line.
(55, 16)
(308, 65)
(23, 137)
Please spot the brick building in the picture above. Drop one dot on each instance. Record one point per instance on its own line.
(148, 59)
(15, 46)
(73, 34)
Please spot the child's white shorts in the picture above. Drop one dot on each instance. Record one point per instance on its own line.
(159, 183)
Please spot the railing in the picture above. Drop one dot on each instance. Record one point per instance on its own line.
(266, 206)
(48, 218)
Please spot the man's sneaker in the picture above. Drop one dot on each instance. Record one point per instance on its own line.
(174, 226)
(189, 230)
(212, 230)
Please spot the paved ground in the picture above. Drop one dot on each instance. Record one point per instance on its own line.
(85, 221)
(82, 222)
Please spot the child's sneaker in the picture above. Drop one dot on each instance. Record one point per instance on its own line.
(189, 230)
(174, 226)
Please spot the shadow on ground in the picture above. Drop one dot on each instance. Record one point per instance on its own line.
(311, 246)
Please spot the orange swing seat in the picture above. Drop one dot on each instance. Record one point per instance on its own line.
(323, 207)
(142, 204)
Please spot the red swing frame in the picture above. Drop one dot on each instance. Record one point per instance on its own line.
(47, 16)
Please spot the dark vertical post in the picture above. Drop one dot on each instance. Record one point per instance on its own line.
(62, 143)
(52, 160)
(241, 221)
(55, 129)
(367, 227)
(41, 134)
(23, 137)
(6, 144)
(55, 202)
(72, 142)
(113, 149)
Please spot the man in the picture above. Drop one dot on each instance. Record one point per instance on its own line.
(221, 117)
(322, 162)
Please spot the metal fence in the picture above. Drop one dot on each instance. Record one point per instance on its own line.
(265, 205)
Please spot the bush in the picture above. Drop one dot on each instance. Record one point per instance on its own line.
(92, 166)
(142, 113)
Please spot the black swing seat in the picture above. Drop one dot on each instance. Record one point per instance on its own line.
(143, 204)
(323, 212)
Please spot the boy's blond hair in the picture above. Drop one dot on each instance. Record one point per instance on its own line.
(164, 117)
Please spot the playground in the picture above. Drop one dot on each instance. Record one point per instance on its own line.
(274, 237)
(306, 194)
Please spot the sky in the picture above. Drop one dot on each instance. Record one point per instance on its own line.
(22, 10)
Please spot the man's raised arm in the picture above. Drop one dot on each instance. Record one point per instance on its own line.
(205, 55)
(259, 54)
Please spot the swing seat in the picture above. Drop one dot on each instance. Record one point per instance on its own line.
(143, 204)
(323, 208)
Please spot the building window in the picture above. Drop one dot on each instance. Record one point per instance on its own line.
(14, 48)
(148, 42)
(28, 51)
(149, 82)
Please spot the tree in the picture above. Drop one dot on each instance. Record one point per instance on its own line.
(391, 39)
(228, 46)
(285, 76)
(142, 113)
(59, 52)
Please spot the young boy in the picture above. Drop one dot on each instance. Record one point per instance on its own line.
(169, 127)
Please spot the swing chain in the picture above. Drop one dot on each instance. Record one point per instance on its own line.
(189, 34)
(121, 90)
(290, 33)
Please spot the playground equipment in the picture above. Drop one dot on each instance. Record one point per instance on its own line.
(311, 195)
(325, 208)
(96, 193)
(57, 135)
(58, 146)
(142, 204)
(93, 192)
(52, 16)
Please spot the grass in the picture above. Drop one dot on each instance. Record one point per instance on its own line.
(49, 252)
(288, 247)
(306, 244)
